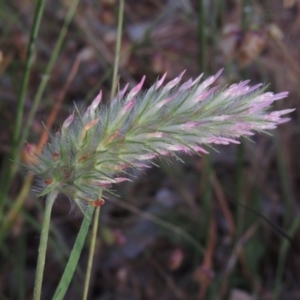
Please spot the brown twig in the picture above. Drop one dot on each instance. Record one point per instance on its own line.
(204, 273)
(223, 204)
(234, 257)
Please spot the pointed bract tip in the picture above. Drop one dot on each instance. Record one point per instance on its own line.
(280, 96)
(128, 106)
(69, 120)
(135, 90)
(198, 79)
(218, 73)
(29, 149)
(160, 81)
(96, 101)
(123, 91)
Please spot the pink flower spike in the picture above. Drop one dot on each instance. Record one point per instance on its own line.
(107, 182)
(245, 132)
(177, 148)
(138, 165)
(197, 79)
(257, 107)
(284, 120)
(237, 86)
(68, 121)
(190, 125)
(231, 141)
(165, 101)
(186, 85)
(255, 87)
(157, 85)
(269, 126)
(160, 81)
(127, 107)
(283, 112)
(122, 92)
(210, 80)
(96, 101)
(135, 90)
(29, 149)
(200, 149)
(172, 83)
(260, 98)
(120, 179)
(219, 73)
(146, 156)
(280, 96)
(92, 108)
(221, 140)
(204, 95)
(120, 95)
(238, 89)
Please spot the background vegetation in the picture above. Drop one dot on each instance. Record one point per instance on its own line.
(238, 203)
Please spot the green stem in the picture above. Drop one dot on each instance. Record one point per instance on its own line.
(118, 48)
(282, 258)
(43, 246)
(5, 184)
(46, 76)
(91, 253)
(74, 256)
(7, 175)
(29, 62)
(240, 212)
(201, 37)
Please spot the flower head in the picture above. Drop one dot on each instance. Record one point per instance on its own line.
(93, 150)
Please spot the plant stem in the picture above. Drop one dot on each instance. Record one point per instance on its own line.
(74, 256)
(118, 47)
(201, 37)
(6, 176)
(97, 213)
(282, 259)
(46, 75)
(30, 57)
(91, 253)
(43, 246)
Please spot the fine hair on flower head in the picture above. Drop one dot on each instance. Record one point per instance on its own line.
(93, 149)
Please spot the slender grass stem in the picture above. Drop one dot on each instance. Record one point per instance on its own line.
(240, 212)
(74, 256)
(207, 165)
(97, 213)
(118, 48)
(46, 76)
(30, 55)
(201, 37)
(20, 107)
(4, 186)
(43, 246)
(91, 253)
(282, 258)
(287, 191)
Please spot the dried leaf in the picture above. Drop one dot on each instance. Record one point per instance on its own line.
(176, 259)
(288, 3)
(240, 295)
(252, 45)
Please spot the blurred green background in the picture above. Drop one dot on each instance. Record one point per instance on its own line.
(239, 204)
